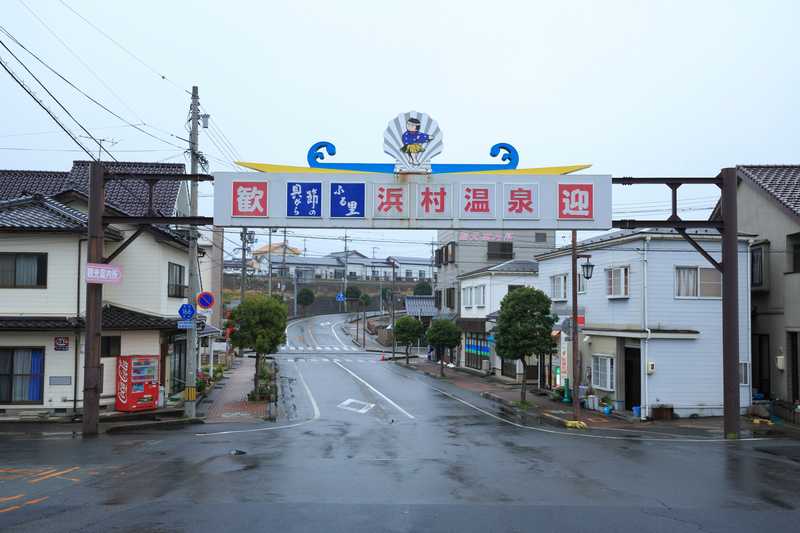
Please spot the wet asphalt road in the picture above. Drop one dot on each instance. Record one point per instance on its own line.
(371, 446)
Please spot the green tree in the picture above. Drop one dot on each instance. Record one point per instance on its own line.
(423, 288)
(352, 293)
(524, 327)
(407, 330)
(305, 297)
(259, 324)
(443, 334)
(387, 296)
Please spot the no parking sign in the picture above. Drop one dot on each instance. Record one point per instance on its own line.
(205, 300)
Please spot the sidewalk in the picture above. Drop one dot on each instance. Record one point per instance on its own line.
(230, 404)
(557, 413)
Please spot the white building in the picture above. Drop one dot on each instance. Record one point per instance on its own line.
(42, 287)
(482, 291)
(653, 320)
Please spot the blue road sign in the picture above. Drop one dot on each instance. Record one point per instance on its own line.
(185, 324)
(340, 297)
(186, 311)
(205, 300)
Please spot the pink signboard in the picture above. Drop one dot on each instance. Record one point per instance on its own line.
(103, 273)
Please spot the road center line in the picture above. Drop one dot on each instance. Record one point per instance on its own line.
(373, 389)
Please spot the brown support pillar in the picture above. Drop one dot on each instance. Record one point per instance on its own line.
(94, 303)
(730, 305)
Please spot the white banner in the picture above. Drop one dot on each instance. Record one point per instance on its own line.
(394, 201)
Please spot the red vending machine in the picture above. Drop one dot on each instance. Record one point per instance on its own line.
(137, 382)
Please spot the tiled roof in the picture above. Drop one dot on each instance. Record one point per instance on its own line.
(40, 213)
(421, 306)
(114, 318)
(118, 318)
(782, 182)
(513, 266)
(129, 197)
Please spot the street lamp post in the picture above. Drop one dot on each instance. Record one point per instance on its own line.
(587, 270)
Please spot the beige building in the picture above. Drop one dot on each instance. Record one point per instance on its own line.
(42, 288)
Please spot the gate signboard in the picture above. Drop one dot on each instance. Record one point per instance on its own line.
(412, 192)
(337, 199)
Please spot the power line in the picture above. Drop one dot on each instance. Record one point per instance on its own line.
(124, 49)
(90, 98)
(43, 106)
(80, 60)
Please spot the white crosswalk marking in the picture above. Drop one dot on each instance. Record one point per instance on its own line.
(324, 360)
(336, 348)
(292, 347)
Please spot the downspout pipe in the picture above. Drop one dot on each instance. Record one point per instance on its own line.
(645, 407)
(77, 329)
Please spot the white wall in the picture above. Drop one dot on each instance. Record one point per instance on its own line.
(59, 298)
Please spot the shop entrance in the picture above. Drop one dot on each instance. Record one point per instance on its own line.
(633, 378)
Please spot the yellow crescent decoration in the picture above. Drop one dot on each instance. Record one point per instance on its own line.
(287, 169)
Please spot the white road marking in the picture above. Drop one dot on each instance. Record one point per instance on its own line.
(357, 406)
(324, 359)
(333, 329)
(270, 428)
(336, 348)
(373, 389)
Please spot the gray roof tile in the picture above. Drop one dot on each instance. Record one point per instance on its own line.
(782, 182)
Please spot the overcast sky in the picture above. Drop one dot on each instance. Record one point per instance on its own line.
(634, 88)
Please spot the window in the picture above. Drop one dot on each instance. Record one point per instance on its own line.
(499, 250)
(582, 283)
(757, 270)
(409, 274)
(437, 257)
(175, 286)
(437, 299)
(21, 375)
(421, 274)
(603, 372)
(444, 255)
(110, 346)
(541, 237)
(26, 271)
(793, 252)
(744, 374)
(558, 287)
(450, 295)
(515, 287)
(466, 297)
(617, 281)
(451, 252)
(480, 295)
(697, 282)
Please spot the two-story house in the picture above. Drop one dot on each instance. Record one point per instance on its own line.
(462, 251)
(43, 254)
(768, 203)
(653, 319)
(482, 292)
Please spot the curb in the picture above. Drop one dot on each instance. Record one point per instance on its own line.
(156, 424)
(493, 397)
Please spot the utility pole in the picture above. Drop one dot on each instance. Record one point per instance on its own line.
(269, 262)
(190, 390)
(94, 302)
(394, 340)
(244, 265)
(284, 272)
(345, 271)
(576, 352)
(294, 298)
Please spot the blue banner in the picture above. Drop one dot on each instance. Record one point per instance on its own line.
(303, 199)
(348, 200)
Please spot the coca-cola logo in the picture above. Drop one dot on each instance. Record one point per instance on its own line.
(122, 381)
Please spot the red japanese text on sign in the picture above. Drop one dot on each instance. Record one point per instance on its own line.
(433, 201)
(250, 199)
(477, 200)
(576, 201)
(520, 200)
(391, 199)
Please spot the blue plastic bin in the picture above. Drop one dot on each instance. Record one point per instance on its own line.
(637, 411)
